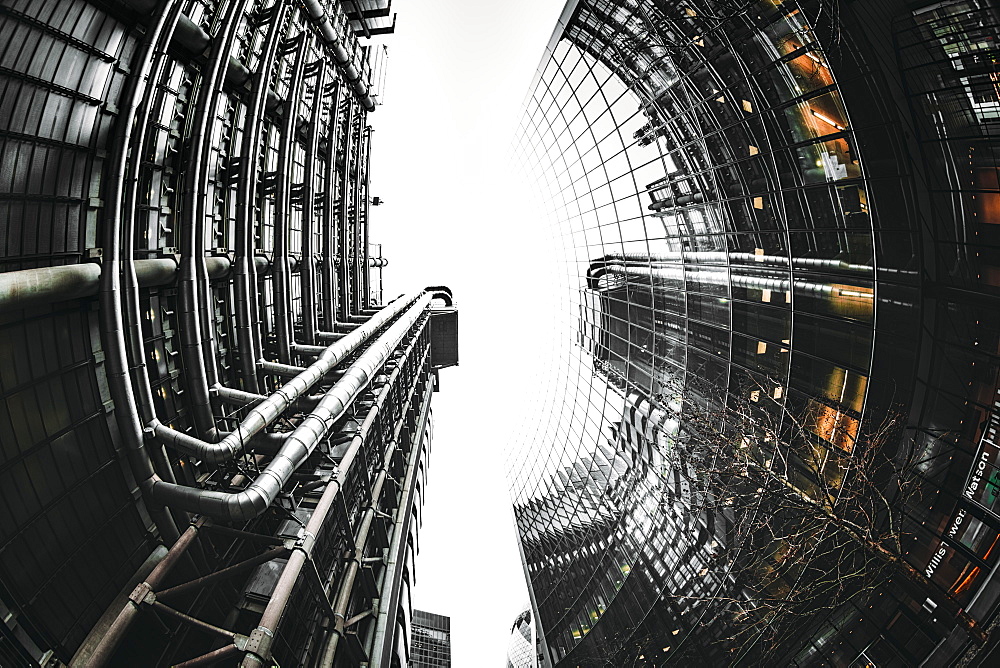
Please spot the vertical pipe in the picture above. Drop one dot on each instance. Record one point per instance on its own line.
(283, 208)
(307, 268)
(245, 270)
(111, 315)
(329, 218)
(358, 270)
(201, 147)
(192, 280)
(366, 205)
(345, 220)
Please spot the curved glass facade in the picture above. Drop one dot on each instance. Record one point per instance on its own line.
(521, 648)
(784, 205)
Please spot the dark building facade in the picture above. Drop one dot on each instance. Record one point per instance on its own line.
(790, 205)
(213, 428)
(431, 640)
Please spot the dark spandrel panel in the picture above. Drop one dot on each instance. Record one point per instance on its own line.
(789, 214)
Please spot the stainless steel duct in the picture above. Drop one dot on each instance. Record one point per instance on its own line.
(342, 58)
(268, 411)
(283, 330)
(111, 316)
(300, 443)
(245, 283)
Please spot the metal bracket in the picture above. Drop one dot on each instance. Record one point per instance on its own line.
(142, 594)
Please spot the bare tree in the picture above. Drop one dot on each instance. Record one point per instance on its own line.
(812, 501)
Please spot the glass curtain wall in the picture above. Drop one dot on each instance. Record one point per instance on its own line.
(784, 205)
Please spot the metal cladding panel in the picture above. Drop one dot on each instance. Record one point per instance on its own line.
(71, 531)
(444, 338)
(71, 534)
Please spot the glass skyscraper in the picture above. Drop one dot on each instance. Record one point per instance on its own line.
(784, 207)
(521, 648)
(213, 427)
(431, 640)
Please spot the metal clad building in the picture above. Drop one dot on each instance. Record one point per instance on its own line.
(791, 204)
(213, 427)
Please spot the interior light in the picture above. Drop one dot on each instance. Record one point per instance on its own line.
(827, 120)
(753, 149)
(747, 106)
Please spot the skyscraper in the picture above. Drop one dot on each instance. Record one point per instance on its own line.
(213, 426)
(431, 640)
(521, 648)
(777, 214)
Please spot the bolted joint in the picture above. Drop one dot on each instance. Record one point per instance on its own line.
(259, 643)
(143, 593)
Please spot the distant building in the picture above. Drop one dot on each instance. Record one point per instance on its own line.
(521, 649)
(431, 640)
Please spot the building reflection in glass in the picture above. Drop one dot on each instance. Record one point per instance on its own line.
(786, 201)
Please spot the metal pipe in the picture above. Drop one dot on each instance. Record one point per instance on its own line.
(267, 628)
(307, 269)
(111, 314)
(116, 632)
(224, 573)
(45, 285)
(245, 273)
(344, 245)
(268, 411)
(366, 207)
(210, 96)
(299, 444)
(344, 60)
(210, 658)
(283, 208)
(193, 272)
(356, 232)
(329, 277)
(383, 636)
(193, 621)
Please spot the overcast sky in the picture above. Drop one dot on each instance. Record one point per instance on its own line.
(458, 72)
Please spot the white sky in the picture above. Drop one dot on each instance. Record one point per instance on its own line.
(458, 72)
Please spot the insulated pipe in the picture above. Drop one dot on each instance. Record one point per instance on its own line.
(366, 205)
(209, 97)
(132, 276)
(329, 276)
(245, 275)
(269, 410)
(344, 245)
(111, 314)
(45, 285)
(299, 444)
(346, 586)
(283, 207)
(193, 275)
(307, 269)
(341, 57)
(191, 39)
(359, 208)
(276, 606)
